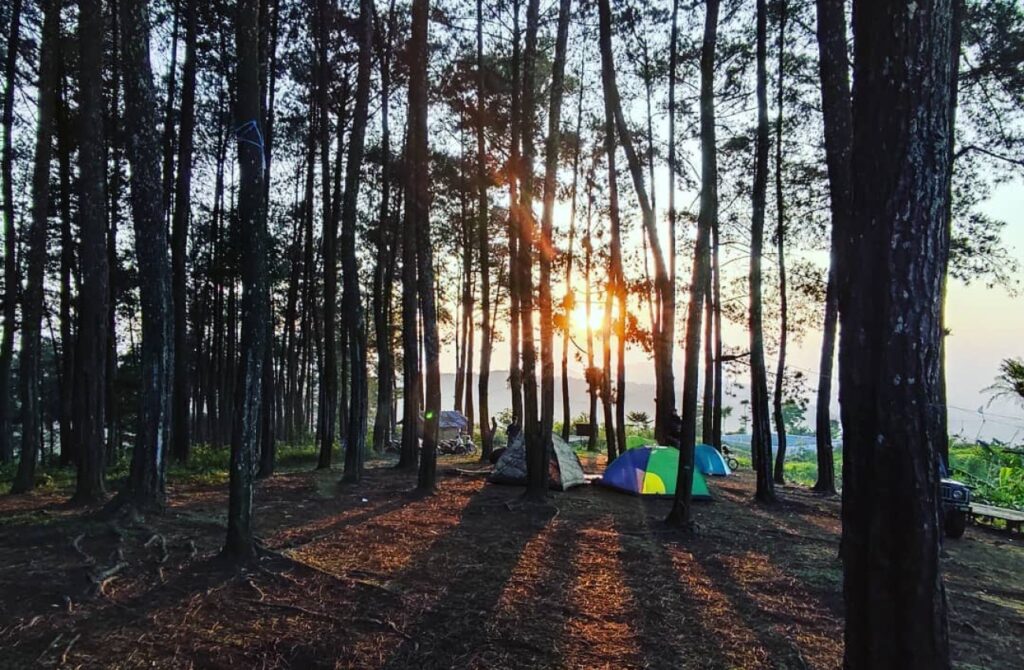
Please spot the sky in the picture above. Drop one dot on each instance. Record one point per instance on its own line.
(986, 324)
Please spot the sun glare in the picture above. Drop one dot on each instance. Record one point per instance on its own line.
(579, 318)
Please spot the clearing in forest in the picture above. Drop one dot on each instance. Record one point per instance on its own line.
(369, 577)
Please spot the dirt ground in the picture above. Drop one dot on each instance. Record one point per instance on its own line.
(368, 576)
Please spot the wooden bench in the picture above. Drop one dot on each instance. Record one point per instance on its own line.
(987, 514)
(583, 429)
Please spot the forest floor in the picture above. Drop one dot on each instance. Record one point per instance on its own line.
(368, 576)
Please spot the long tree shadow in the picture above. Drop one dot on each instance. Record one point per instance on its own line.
(461, 579)
(781, 583)
(676, 628)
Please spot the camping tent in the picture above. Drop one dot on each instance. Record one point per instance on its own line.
(709, 461)
(451, 424)
(650, 471)
(564, 470)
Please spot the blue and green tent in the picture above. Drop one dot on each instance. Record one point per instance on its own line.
(650, 471)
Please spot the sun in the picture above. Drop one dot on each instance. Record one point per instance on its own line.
(578, 318)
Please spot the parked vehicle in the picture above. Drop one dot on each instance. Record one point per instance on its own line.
(956, 506)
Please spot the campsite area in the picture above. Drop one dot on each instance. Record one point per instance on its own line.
(368, 576)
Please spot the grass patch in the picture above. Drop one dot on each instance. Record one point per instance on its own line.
(207, 465)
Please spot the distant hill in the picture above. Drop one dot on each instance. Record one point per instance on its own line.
(639, 395)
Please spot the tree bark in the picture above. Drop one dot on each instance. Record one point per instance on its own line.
(833, 68)
(665, 400)
(145, 489)
(680, 514)
(11, 281)
(93, 307)
(329, 384)
(410, 452)
(588, 258)
(515, 374)
(939, 406)
(890, 336)
(533, 437)
(180, 437)
(385, 253)
(239, 546)
(420, 202)
(780, 247)
(115, 148)
(570, 298)
(67, 262)
(352, 302)
(32, 309)
(537, 483)
(484, 248)
(761, 437)
(169, 125)
(708, 397)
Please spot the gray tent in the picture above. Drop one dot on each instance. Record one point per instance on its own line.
(450, 423)
(565, 470)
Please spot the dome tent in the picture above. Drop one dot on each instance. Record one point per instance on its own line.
(710, 461)
(650, 471)
(564, 468)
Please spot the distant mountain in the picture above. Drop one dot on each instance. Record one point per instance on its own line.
(639, 395)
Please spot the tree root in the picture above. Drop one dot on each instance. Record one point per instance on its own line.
(67, 649)
(345, 579)
(76, 544)
(386, 623)
(157, 538)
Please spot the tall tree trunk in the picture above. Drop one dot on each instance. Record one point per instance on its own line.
(588, 258)
(515, 374)
(780, 246)
(716, 297)
(182, 213)
(569, 301)
(11, 281)
(484, 247)
(410, 452)
(385, 252)
(329, 384)
(269, 21)
(94, 295)
(32, 309)
(833, 68)
(115, 147)
(169, 98)
(537, 483)
(939, 407)
(300, 420)
(611, 441)
(890, 336)
(614, 285)
(680, 513)
(352, 302)
(252, 221)
(761, 432)
(533, 437)
(420, 201)
(67, 263)
(145, 488)
(708, 398)
(467, 406)
(668, 316)
(666, 299)
(662, 350)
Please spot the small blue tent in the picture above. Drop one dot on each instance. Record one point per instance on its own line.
(709, 461)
